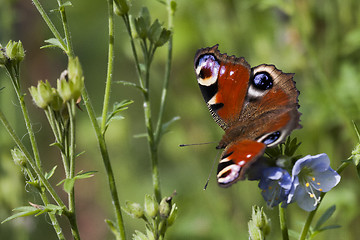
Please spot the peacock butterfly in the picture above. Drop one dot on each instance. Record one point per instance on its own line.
(256, 107)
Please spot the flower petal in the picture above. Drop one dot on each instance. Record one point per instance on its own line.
(325, 181)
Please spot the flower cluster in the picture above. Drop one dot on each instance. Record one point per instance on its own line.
(310, 176)
(69, 87)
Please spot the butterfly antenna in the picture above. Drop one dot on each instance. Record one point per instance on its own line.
(212, 169)
(195, 144)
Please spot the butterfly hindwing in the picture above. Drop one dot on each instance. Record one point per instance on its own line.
(236, 158)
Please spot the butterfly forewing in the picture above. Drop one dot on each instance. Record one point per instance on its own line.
(223, 81)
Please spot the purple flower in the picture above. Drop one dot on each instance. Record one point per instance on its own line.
(275, 184)
(311, 175)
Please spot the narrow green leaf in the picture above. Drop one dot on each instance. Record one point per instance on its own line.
(117, 107)
(53, 42)
(125, 83)
(140, 135)
(327, 214)
(79, 154)
(165, 126)
(49, 174)
(24, 211)
(56, 144)
(84, 175)
(55, 209)
(356, 130)
(113, 228)
(66, 4)
(330, 227)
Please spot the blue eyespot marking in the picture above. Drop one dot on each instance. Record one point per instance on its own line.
(271, 138)
(262, 81)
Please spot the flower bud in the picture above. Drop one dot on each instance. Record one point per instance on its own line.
(151, 206)
(140, 27)
(355, 155)
(3, 57)
(139, 236)
(63, 88)
(149, 234)
(43, 94)
(164, 37)
(154, 32)
(259, 225)
(76, 78)
(173, 215)
(121, 7)
(18, 157)
(15, 51)
(133, 209)
(57, 102)
(165, 207)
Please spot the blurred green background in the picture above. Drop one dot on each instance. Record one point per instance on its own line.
(317, 40)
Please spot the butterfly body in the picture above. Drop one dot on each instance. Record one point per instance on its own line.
(256, 107)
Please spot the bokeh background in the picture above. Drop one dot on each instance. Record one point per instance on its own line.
(317, 40)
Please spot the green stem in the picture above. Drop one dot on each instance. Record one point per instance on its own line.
(283, 224)
(71, 174)
(137, 64)
(70, 51)
(311, 215)
(109, 67)
(29, 128)
(166, 78)
(58, 138)
(107, 163)
(150, 136)
(50, 24)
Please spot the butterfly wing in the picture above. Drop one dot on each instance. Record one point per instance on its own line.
(236, 158)
(223, 82)
(269, 115)
(257, 107)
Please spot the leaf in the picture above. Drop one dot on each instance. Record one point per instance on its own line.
(54, 209)
(24, 211)
(114, 230)
(125, 83)
(356, 130)
(49, 174)
(69, 184)
(79, 154)
(334, 226)
(327, 214)
(165, 126)
(140, 135)
(66, 4)
(57, 144)
(53, 42)
(84, 175)
(117, 107)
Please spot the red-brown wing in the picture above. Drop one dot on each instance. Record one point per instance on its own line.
(223, 81)
(236, 158)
